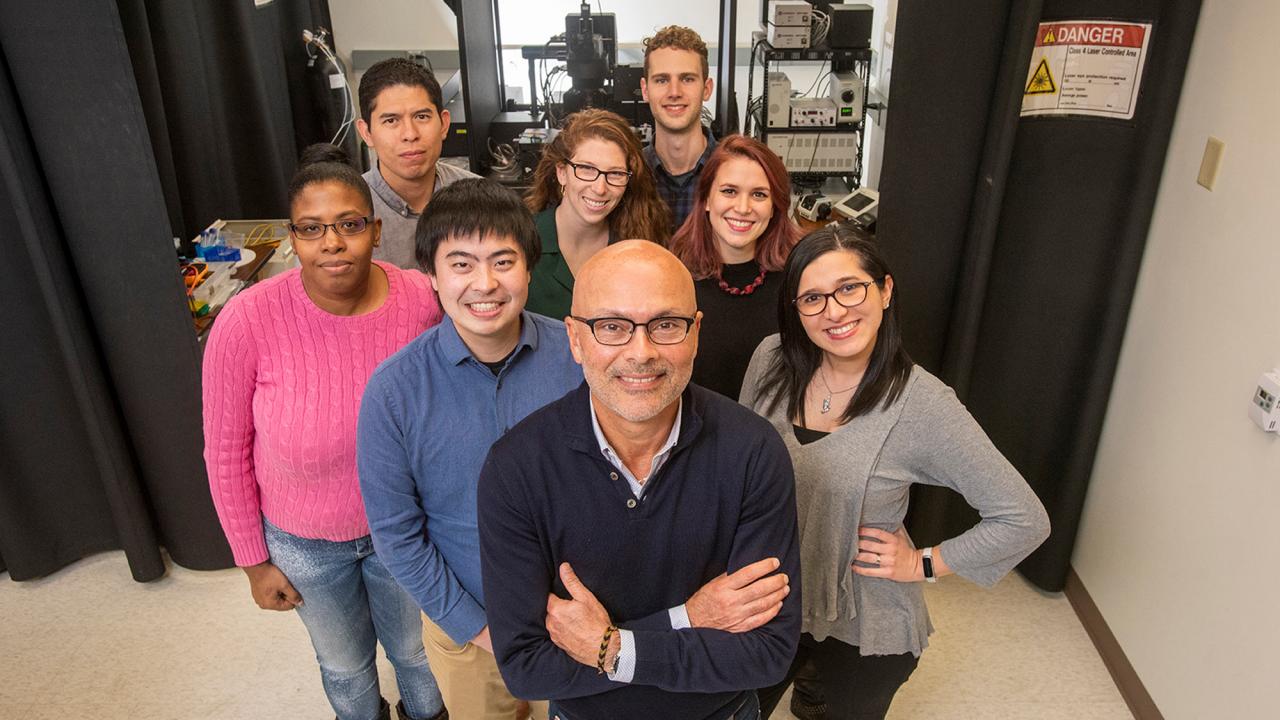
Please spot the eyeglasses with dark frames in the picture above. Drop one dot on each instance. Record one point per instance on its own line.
(667, 330)
(589, 173)
(849, 295)
(315, 230)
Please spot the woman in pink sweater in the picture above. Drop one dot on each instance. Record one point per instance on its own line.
(284, 370)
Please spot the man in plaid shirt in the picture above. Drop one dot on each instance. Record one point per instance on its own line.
(675, 84)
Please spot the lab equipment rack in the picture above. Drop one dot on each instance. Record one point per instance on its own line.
(767, 56)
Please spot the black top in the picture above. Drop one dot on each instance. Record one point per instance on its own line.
(805, 435)
(724, 499)
(733, 325)
(496, 366)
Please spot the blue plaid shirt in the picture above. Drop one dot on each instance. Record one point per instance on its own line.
(677, 190)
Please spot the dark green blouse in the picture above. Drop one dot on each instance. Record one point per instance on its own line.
(551, 287)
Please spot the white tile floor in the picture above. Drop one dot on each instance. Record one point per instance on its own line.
(88, 642)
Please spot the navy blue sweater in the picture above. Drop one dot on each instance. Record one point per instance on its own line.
(725, 499)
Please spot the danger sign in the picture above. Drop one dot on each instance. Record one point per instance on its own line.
(1086, 67)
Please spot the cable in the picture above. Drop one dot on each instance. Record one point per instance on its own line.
(349, 103)
(820, 76)
(319, 40)
(821, 27)
(548, 89)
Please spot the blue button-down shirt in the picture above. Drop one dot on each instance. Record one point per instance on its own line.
(427, 419)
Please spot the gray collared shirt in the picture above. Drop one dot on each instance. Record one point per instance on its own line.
(679, 615)
(399, 221)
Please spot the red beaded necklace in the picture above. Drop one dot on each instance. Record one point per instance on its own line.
(743, 290)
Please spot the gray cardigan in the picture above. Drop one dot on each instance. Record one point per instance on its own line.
(861, 473)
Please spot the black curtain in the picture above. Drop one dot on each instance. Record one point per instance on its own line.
(231, 98)
(1017, 241)
(121, 126)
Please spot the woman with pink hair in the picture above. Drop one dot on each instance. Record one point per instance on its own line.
(735, 242)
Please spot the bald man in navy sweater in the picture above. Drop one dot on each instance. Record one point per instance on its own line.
(637, 534)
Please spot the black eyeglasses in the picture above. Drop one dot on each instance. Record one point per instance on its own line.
(589, 173)
(849, 295)
(669, 330)
(315, 231)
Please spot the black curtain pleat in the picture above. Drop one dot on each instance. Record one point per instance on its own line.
(121, 125)
(230, 99)
(1017, 241)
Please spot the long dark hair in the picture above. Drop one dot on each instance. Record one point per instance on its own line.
(793, 365)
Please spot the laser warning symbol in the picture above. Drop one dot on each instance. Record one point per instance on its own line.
(1042, 81)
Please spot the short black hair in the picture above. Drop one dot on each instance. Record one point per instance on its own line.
(323, 162)
(475, 207)
(396, 71)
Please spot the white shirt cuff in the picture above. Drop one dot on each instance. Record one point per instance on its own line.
(626, 658)
(679, 618)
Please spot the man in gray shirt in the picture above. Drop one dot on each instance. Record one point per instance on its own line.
(403, 121)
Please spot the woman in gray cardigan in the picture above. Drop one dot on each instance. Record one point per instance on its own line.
(863, 423)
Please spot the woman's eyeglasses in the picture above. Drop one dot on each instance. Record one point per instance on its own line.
(315, 231)
(849, 295)
(589, 173)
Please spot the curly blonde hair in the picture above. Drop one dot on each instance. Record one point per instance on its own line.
(641, 213)
(677, 37)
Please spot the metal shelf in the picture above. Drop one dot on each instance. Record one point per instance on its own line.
(765, 54)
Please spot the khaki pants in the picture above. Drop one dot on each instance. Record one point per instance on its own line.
(469, 680)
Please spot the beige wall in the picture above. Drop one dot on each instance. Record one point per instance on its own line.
(1180, 539)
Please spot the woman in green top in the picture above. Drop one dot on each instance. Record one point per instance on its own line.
(591, 188)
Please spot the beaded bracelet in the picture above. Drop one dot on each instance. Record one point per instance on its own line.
(604, 648)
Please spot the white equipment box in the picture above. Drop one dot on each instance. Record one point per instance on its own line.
(861, 205)
(813, 112)
(790, 12)
(847, 92)
(788, 37)
(778, 114)
(833, 152)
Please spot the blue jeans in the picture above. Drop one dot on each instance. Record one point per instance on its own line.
(747, 709)
(349, 603)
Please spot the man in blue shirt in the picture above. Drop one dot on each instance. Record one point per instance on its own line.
(608, 517)
(431, 411)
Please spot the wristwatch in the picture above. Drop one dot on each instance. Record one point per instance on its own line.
(927, 559)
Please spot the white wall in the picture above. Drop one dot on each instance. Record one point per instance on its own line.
(1181, 536)
(392, 25)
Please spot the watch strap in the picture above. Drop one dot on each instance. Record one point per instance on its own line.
(927, 561)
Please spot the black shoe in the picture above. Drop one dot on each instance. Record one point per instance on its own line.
(402, 715)
(808, 711)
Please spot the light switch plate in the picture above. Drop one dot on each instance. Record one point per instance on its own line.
(1211, 163)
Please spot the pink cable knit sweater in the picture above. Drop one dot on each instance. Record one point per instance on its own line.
(282, 387)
